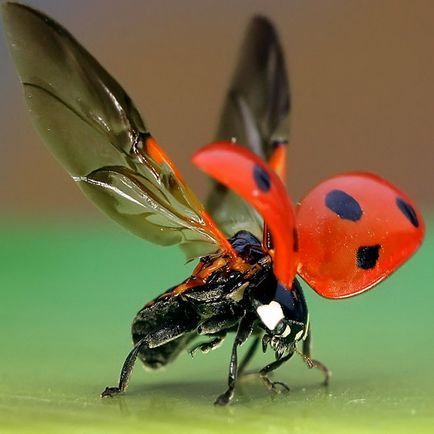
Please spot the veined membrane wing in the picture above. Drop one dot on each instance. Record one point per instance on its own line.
(256, 115)
(93, 128)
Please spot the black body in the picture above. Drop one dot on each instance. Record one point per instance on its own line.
(168, 324)
(228, 302)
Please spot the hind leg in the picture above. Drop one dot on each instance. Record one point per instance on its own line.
(149, 344)
(126, 371)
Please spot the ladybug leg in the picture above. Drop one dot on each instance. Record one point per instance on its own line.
(153, 340)
(218, 324)
(244, 330)
(275, 386)
(214, 327)
(248, 357)
(206, 347)
(126, 370)
(312, 363)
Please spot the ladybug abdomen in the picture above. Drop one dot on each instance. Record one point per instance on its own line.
(167, 325)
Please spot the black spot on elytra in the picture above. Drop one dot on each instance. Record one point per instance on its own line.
(295, 239)
(344, 205)
(408, 211)
(367, 256)
(261, 178)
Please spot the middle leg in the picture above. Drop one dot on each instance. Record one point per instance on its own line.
(206, 347)
(244, 330)
(248, 356)
(215, 327)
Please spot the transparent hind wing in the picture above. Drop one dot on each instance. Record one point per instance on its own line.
(255, 115)
(93, 128)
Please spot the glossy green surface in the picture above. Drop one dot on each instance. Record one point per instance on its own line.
(69, 292)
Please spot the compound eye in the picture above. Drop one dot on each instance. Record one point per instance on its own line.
(280, 328)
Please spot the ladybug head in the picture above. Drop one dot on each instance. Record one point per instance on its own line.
(284, 318)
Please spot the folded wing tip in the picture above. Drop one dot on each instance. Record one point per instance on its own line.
(262, 20)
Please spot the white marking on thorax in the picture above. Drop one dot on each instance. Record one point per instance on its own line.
(270, 314)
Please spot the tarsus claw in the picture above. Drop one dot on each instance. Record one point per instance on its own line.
(110, 391)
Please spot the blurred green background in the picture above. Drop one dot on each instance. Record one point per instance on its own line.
(70, 281)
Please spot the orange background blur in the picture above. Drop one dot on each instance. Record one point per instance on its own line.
(361, 74)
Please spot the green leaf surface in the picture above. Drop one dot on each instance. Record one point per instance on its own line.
(70, 290)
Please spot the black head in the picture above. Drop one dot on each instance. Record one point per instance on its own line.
(247, 246)
(284, 317)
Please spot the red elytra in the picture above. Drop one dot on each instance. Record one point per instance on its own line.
(250, 177)
(354, 230)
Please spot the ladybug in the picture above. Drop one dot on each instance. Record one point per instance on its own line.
(344, 237)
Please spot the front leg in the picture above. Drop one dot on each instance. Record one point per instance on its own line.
(244, 330)
(312, 363)
(275, 386)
